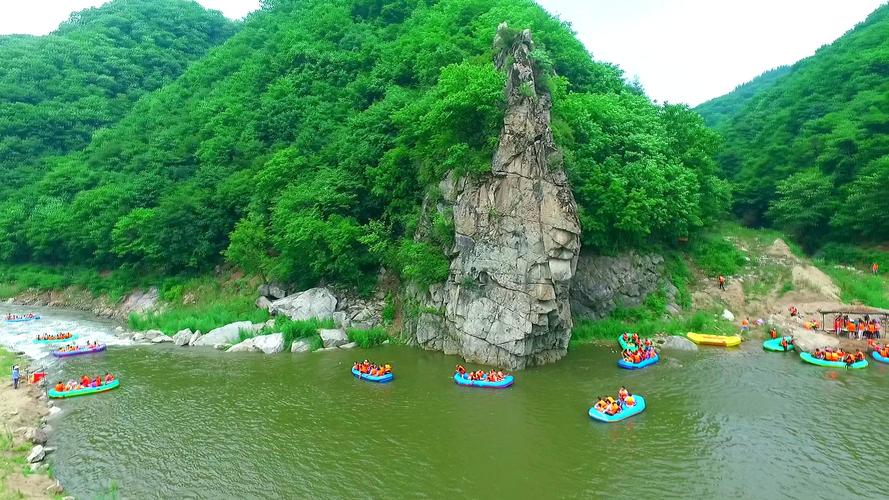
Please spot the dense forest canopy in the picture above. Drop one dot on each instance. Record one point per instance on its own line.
(717, 111)
(810, 151)
(56, 90)
(303, 149)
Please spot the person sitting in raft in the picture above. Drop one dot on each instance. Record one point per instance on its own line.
(784, 344)
(461, 370)
(600, 405)
(60, 387)
(622, 393)
(109, 378)
(859, 356)
(818, 354)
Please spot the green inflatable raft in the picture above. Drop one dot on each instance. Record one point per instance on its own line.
(808, 358)
(775, 344)
(626, 344)
(84, 392)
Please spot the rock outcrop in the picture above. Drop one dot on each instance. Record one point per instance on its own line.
(182, 337)
(678, 343)
(604, 283)
(333, 337)
(506, 300)
(313, 303)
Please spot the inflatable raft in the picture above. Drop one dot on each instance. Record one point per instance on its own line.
(717, 340)
(84, 392)
(775, 344)
(626, 344)
(78, 352)
(878, 357)
(23, 320)
(56, 341)
(808, 358)
(637, 366)
(372, 378)
(626, 412)
(463, 380)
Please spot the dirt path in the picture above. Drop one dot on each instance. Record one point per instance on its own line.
(20, 410)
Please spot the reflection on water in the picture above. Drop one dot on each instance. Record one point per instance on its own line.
(202, 424)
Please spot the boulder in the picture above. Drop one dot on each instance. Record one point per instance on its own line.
(194, 337)
(161, 339)
(323, 349)
(301, 345)
(727, 315)
(269, 344)
(152, 334)
(37, 454)
(263, 302)
(221, 347)
(36, 436)
(808, 341)
(313, 303)
(245, 346)
(677, 343)
(228, 334)
(333, 337)
(272, 290)
(182, 337)
(350, 345)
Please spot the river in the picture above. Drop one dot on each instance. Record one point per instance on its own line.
(197, 423)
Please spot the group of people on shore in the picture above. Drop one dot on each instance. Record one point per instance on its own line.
(13, 317)
(481, 375)
(831, 354)
(367, 368)
(85, 382)
(611, 406)
(58, 336)
(862, 328)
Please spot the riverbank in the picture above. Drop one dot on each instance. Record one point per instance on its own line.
(22, 411)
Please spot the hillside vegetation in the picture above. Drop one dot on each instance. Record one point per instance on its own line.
(304, 148)
(56, 90)
(809, 152)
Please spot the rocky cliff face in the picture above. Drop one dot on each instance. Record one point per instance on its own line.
(506, 301)
(604, 283)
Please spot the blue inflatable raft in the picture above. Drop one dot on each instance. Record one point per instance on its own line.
(372, 378)
(78, 352)
(876, 356)
(503, 384)
(626, 412)
(23, 320)
(637, 366)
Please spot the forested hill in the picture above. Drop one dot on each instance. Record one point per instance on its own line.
(716, 111)
(56, 90)
(311, 138)
(810, 152)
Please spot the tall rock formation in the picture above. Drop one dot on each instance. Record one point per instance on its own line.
(506, 301)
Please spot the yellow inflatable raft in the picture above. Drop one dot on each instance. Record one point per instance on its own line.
(717, 340)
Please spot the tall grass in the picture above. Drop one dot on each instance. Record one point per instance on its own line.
(860, 287)
(367, 337)
(203, 317)
(715, 255)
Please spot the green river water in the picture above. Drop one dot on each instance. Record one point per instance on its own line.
(196, 423)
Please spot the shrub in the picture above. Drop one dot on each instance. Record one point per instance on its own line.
(715, 255)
